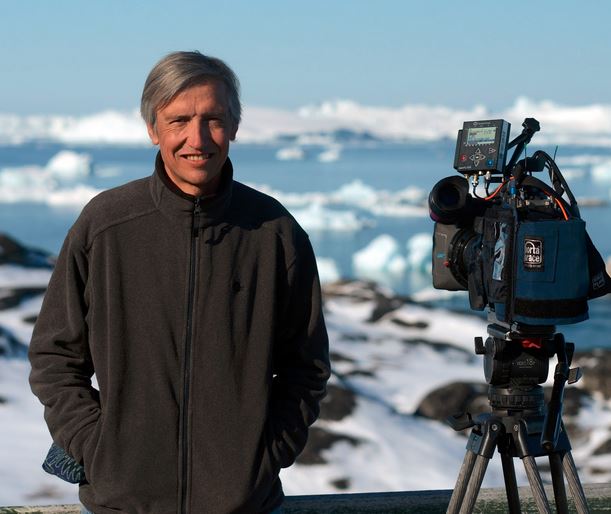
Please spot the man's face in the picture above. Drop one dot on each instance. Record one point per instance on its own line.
(193, 133)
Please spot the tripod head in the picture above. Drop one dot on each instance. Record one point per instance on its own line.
(516, 362)
(517, 357)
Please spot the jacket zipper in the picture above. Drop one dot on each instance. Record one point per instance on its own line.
(187, 356)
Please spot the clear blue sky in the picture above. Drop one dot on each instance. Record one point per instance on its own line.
(78, 56)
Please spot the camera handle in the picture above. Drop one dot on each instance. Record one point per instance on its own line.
(531, 125)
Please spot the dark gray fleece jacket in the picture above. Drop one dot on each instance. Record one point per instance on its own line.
(202, 322)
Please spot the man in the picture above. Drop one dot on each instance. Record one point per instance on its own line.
(196, 302)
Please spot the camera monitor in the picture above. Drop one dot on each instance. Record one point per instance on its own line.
(482, 147)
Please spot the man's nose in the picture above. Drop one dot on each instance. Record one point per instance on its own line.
(198, 133)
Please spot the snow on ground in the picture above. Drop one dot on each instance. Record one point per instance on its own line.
(390, 364)
(24, 442)
(387, 355)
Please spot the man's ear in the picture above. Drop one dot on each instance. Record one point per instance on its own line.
(152, 133)
(232, 134)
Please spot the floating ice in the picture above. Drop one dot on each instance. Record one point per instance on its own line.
(331, 154)
(380, 256)
(67, 165)
(327, 270)
(602, 172)
(356, 193)
(318, 218)
(419, 248)
(48, 184)
(291, 153)
(404, 203)
(572, 173)
(401, 204)
(76, 196)
(18, 184)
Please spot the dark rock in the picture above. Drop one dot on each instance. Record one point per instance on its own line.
(13, 297)
(357, 337)
(30, 319)
(2, 400)
(596, 368)
(12, 252)
(360, 373)
(341, 483)
(574, 399)
(440, 347)
(384, 305)
(10, 346)
(340, 357)
(357, 291)
(603, 448)
(319, 440)
(457, 397)
(338, 403)
(410, 324)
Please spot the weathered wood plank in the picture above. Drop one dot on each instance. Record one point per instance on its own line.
(490, 501)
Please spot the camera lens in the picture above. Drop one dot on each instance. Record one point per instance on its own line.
(461, 254)
(448, 199)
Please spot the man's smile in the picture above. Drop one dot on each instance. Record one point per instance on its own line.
(198, 157)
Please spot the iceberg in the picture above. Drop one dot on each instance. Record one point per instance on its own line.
(602, 172)
(49, 184)
(380, 257)
(291, 153)
(67, 165)
(327, 270)
(331, 154)
(318, 218)
(356, 193)
(419, 248)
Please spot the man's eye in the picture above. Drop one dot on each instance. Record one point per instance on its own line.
(216, 123)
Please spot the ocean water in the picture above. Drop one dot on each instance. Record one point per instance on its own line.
(366, 171)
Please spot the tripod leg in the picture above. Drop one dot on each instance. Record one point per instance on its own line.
(479, 470)
(579, 497)
(555, 462)
(511, 485)
(536, 485)
(461, 483)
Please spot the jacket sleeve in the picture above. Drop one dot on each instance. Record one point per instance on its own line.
(301, 359)
(59, 354)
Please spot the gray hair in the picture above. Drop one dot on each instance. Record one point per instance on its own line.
(178, 71)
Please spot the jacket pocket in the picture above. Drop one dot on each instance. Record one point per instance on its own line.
(90, 449)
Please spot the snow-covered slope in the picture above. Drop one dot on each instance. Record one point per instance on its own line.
(398, 367)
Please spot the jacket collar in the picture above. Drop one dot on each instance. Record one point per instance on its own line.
(170, 199)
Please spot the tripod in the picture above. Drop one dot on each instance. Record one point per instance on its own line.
(520, 424)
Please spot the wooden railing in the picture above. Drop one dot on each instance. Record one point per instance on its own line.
(490, 501)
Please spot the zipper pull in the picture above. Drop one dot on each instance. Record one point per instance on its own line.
(196, 212)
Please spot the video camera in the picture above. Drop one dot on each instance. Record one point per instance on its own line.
(521, 250)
